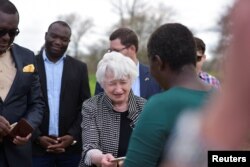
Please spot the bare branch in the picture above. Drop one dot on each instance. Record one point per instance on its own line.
(79, 28)
(142, 18)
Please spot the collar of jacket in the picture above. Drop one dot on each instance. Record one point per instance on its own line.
(132, 108)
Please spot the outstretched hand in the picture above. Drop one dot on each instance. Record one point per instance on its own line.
(106, 161)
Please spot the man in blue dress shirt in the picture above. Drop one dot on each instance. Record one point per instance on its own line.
(65, 86)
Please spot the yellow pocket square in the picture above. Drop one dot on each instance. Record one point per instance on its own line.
(29, 68)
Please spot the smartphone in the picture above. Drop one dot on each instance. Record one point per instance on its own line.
(118, 159)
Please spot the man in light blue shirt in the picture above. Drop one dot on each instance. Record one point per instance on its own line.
(65, 86)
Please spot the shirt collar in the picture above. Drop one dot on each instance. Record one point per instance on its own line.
(45, 58)
(202, 75)
(138, 66)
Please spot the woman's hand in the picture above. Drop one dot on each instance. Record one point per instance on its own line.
(106, 161)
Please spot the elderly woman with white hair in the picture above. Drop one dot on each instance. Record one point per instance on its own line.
(109, 117)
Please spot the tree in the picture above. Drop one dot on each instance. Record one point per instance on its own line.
(79, 28)
(137, 15)
(224, 25)
(223, 29)
(142, 18)
(95, 54)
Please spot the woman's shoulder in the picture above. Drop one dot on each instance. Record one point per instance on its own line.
(94, 100)
(140, 99)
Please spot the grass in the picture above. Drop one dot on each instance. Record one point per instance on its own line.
(92, 81)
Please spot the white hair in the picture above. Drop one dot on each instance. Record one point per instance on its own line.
(120, 65)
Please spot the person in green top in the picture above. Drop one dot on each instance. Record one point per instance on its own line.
(172, 58)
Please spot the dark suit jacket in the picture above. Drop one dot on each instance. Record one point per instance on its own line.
(148, 86)
(24, 100)
(74, 90)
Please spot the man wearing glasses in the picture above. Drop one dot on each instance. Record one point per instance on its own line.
(201, 57)
(20, 94)
(125, 41)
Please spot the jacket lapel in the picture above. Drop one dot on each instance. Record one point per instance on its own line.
(42, 75)
(66, 65)
(19, 65)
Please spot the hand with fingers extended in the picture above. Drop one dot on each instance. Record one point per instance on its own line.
(4, 127)
(106, 161)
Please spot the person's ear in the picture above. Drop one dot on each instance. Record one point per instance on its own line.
(159, 62)
(132, 47)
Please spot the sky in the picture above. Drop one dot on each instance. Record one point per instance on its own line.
(36, 15)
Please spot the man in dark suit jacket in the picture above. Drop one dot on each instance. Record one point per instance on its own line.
(65, 86)
(20, 91)
(125, 41)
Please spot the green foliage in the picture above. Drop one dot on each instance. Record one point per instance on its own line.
(92, 81)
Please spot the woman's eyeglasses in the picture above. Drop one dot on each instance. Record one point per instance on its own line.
(11, 32)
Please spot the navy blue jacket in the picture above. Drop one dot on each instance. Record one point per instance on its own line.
(24, 100)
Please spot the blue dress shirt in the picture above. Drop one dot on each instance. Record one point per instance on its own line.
(54, 77)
